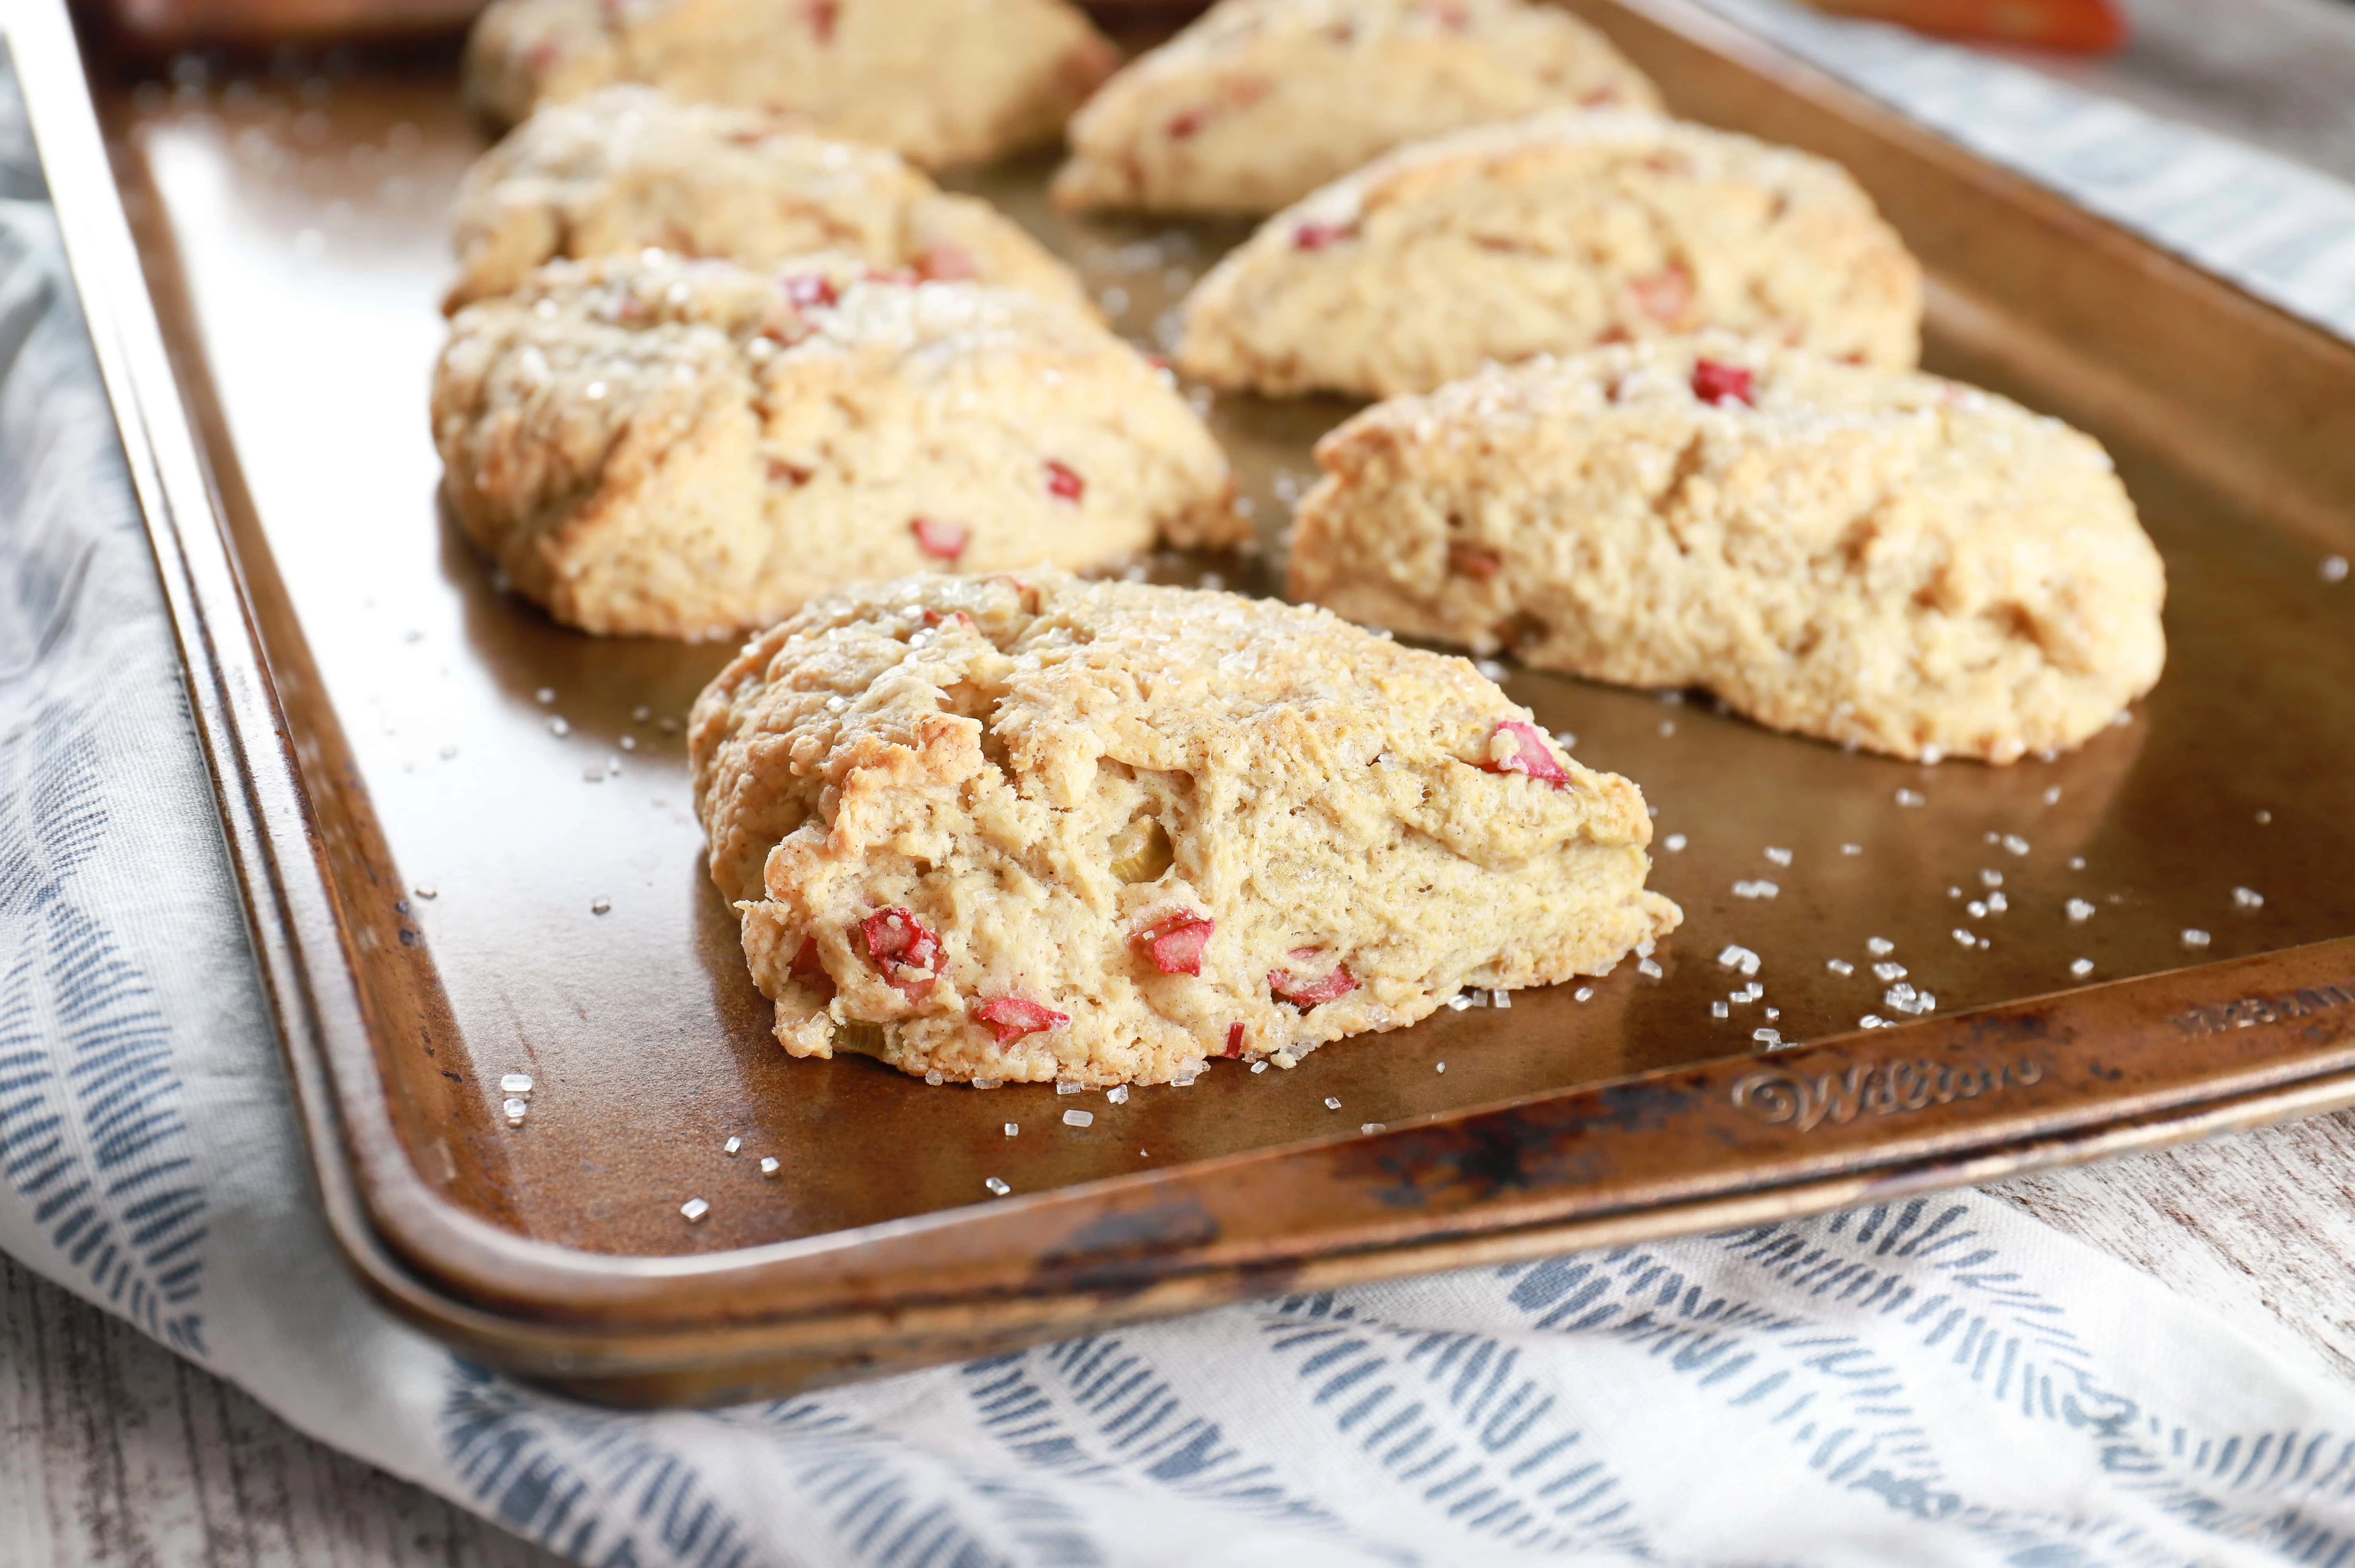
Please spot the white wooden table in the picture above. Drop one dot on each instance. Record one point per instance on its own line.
(114, 1451)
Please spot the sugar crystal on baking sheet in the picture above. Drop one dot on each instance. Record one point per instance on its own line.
(544, 696)
(1997, 903)
(986, 1083)
(1767, 1036)
(1778, 856)
(1370, 1127)
(1013, 1129)
(558, 727)
(1649, 969)
(1674, 844)
(1910, 797)
(2248, 899)
(1259, 1067)
(2015, 843)
(1840, 966)
(1889, 972)
(1720, 1009)
(516, 1110)
(1501, 997)
(1879, 947)
(515, 1084)
(768, 1165)
(1583, 993)
(1069, 1086)
(1966, 939)
(2080, 967)
(1759, 888)
(1873, 1021)
(1332, 1104)
(1736, 957)
(733, 1146)
(998, 1188)
(693, 1209)
(2052, 795)
(1976, 909)
(1458, 1003)
(1117, 1093)
(1851, 848)
(2193, 937)
(934, 1077)
(2079, 910)
(1077, 1117)
(2334, 568)
(1990, 878)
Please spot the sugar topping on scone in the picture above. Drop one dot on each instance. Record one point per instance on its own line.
(944, 81)
(686, 449)
(1551, 234)
(1261, 101)
(1876, 557)
(627, 167)
(1032, 828)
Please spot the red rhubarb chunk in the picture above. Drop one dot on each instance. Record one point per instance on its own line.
(943, 541)
(821, 16)
(1175, 942)
(1665, 295)
(1447, 15)
(1063, 484)
(811, 290)
(1187, 123)
(903, 949)
(809, 969)
(947, 264)
(1718, 383)
(1304, 992)
(1472, 561)
(1318, 236)
(1517, 747)
(1235, 1041)
(1012, 1017)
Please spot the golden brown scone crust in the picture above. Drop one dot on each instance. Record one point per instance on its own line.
(628, 167)
(1876, 557)
(942, 81)
(686, 449)
(1261, 101)
(1019, 782)
(1549, 236)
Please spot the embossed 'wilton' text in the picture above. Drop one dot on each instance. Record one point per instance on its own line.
(1804, 1102)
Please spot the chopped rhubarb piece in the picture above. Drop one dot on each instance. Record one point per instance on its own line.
(1318, 236)
(943, 541)
(934, 618)
(1176, 940)
(947, 264)
(1303, 991)
(1012, 1017)
(1665, 295)
(1599, 98)
(1447, 14)
(1517, 747)
(1717, 383)
(809, 969)
(1063, 482)
(810, 289)
(1158, 361)
(903, 947)
(1235, 1041)
(1187, 123)
(821, 16)
(783, 472)
(1472, 561)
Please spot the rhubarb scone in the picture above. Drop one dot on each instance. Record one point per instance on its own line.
(686, 449)
(1877, 557)
(1552, 235)
(1261, 101)
(944, 81)
(1031, 828)
(628, 168)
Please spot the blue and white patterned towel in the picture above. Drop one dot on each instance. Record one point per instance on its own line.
(1941, 1382)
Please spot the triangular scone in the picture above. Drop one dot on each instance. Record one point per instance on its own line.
(688, 449)
(1548, 236)
(1876, 557)
(1037, 828)
(1261, 101)
(628, 167)
(944, 81)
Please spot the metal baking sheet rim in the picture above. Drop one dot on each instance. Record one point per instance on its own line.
(456, 1275)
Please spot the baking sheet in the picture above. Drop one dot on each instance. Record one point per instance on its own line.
(502, 786)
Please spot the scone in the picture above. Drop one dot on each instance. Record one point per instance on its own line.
(1261, 101)
(628, 167)
(944, 81)
(1876, 557)
(1551, 234)
(686, 449)
(1028, 827)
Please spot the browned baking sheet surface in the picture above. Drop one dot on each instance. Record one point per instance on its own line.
(522, 867)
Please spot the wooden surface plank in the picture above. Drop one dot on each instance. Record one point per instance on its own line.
(113, 1452)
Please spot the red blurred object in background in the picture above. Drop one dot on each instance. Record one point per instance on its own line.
(2091, 26)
